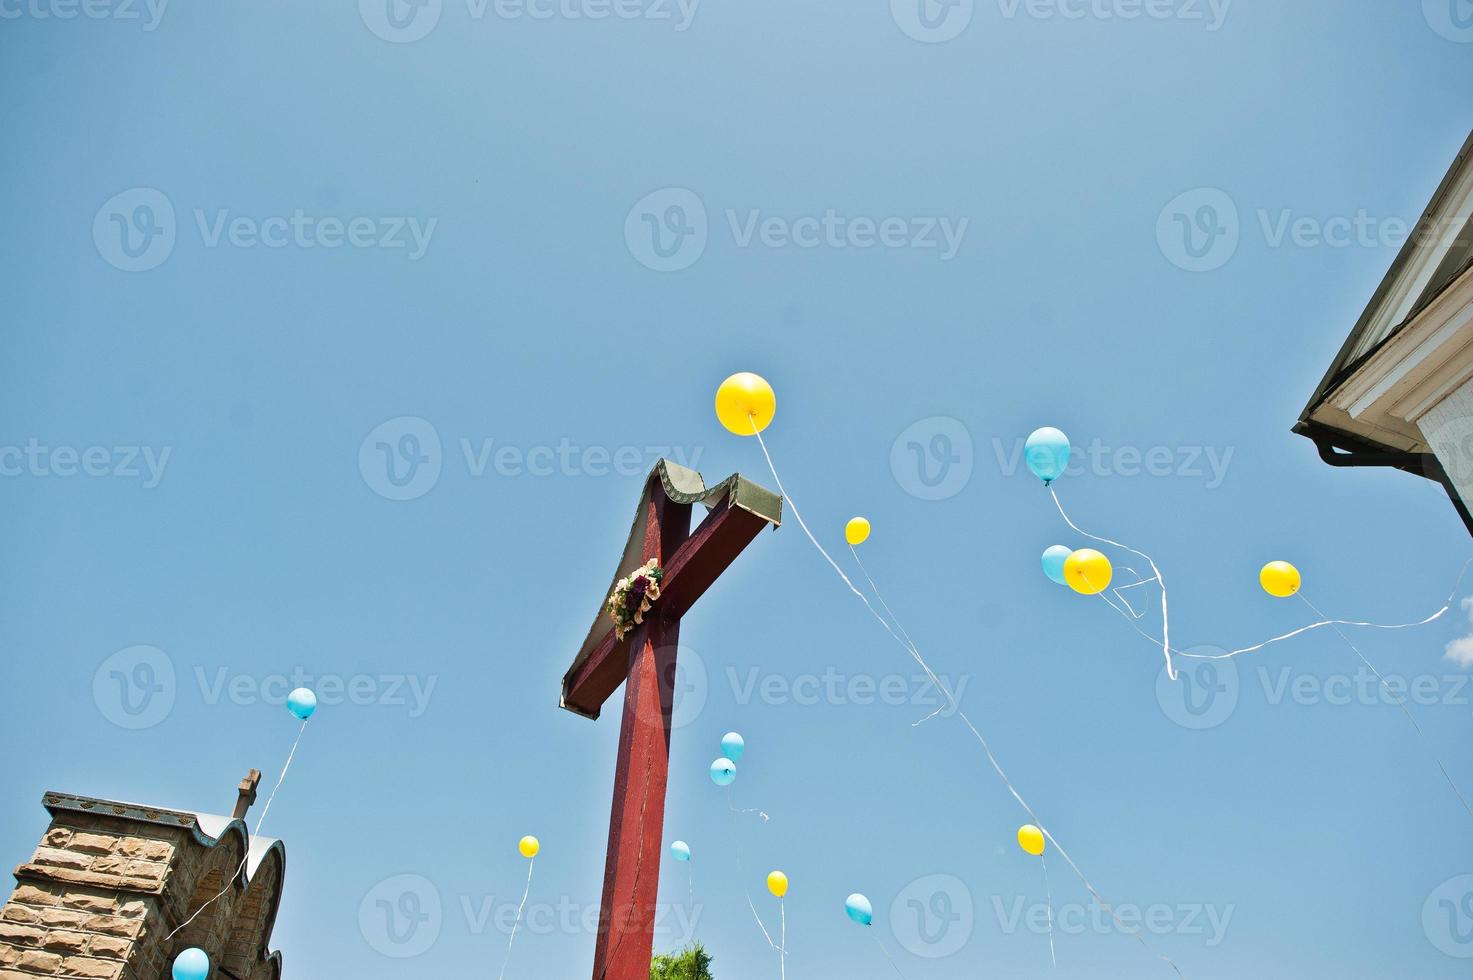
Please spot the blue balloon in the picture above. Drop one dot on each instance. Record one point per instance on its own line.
(732, 746)
(1053, 562)
(723, 772)
(859, 909)
(301, 703)
(1047, 453)
(192, 964)
(680, 850)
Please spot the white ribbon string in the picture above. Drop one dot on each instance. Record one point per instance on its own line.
(885, 951)
(1457, 586)
(1048, 890)
(952, 702)
(742, 869)
(782, 951)
(255, 833)
(1165, 612)
(1400, 703)
(531, 863)
(1324, 621)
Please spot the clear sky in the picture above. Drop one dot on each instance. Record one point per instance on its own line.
(195, 318)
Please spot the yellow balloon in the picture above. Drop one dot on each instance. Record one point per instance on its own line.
(1031, 839)
(529, 847)
(744, 399)
(856, 531)
(777, 883)
(1279, 578)
(1087, 571)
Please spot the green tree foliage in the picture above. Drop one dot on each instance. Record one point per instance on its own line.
(691, 963)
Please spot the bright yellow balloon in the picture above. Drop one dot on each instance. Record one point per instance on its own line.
(529, 847)
(1031, 839)
(743, 399)
(1087, 571)
(856, 531)
(1279, 578)
(777, 883)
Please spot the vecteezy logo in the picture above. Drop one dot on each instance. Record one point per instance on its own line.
(690, 687)
(932, 459)
(134, 688)
(932, 917)
(666, 231)
(1199, 230)
(135, 230)
(400, 21)
(1205, 692)
(1447, 917)
(400, 460)
(932, 21)
(1453, 19)
(401, 916)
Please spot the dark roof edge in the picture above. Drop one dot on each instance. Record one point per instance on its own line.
(1339, 448)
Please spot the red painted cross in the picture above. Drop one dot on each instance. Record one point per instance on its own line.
(644, 661)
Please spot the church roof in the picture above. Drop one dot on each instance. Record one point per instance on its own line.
(1409, 352)
(183, 882)
(1435, 257)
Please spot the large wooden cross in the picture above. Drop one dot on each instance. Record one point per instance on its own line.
(644, 662)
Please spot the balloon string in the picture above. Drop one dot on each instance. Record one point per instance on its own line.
(1128, 615)
(1120, 590)
(751, 809)
(531, 863)
(1336, 623)
(1165, 612)
(742, 869)
(1401, 703)
(908, 642)
(876, 590)
(956, 707)
(886, 952)
(1049, 891)
(1171, 651)
(782, 952)
(255, 833)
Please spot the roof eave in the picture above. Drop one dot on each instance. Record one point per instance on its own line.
(1341, 368)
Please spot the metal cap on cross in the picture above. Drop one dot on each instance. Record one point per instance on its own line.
(644, 661)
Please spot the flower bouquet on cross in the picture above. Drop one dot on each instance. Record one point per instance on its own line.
(633, 597)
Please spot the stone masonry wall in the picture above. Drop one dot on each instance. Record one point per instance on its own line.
(102, 891)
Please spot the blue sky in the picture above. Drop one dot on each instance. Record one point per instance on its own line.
(339, 222)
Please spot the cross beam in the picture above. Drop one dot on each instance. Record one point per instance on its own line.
(693, 566)
(645, 661)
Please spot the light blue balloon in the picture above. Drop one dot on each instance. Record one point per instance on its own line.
(192, 964)
(301, 703)
(1047, 453)
(1053, 562)
(723, 772)
(732, 746)
(859, 909)
(680, 850)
